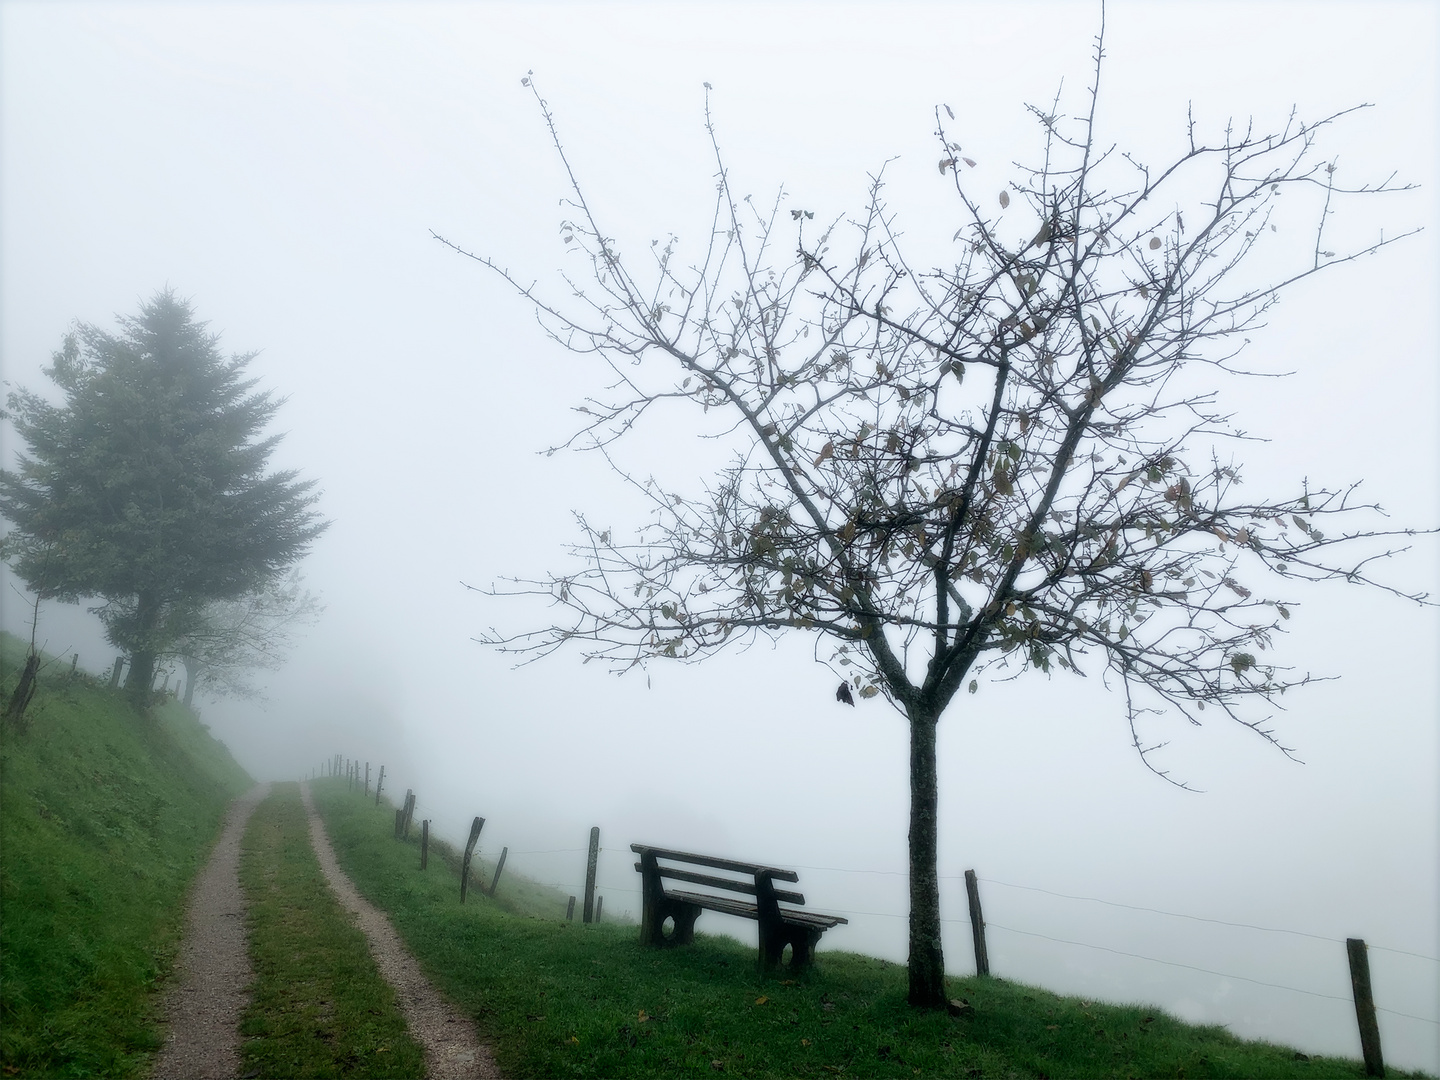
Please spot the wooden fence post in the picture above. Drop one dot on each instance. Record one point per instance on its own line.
(367, 779)
(1365, 1006)
(590, 864)
(599, 903)
(115, 672)
(379, 783)
(495, 881)
(977, 923)
(424, 843)
(475, 827)
(409, 813)
(570, 910)
(399, 820)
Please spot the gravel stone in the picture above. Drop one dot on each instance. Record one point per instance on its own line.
(203, 1007)
(453, 1050)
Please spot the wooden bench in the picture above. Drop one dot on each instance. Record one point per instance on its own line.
(779, 926)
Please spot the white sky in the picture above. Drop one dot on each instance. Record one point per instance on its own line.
(282, 166)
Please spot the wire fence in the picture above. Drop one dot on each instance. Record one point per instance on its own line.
(1036, 889)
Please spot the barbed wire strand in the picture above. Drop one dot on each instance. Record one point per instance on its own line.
(1201, 918)
(1206, 971)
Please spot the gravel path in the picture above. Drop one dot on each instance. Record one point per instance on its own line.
(203, 1008)
(453, 1050)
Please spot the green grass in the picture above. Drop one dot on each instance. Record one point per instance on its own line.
(564, 999)
(319, 1007)
(105, 818)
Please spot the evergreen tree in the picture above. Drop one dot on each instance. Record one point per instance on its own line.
(148, 487)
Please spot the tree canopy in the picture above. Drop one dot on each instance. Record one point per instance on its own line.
(1011, 460)
(148, 486)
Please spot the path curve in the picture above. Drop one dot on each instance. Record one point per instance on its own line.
(203, 1007)
(453, 1050)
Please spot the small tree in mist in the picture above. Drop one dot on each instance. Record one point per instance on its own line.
(222, 642)
(1001, 464)
(148, 486)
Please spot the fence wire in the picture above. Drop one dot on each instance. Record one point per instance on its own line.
(429, 811)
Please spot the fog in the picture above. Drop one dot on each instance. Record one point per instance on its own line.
(282, 167)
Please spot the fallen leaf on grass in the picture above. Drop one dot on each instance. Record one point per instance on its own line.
(761, 999)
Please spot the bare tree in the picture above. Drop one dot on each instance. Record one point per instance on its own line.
(1004, 463)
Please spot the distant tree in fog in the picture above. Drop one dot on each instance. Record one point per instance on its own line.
(222, 642)
(148, 486)
(1013, 461)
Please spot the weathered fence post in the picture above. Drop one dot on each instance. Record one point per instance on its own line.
(115, 672)
(977, 923)
(590, 864)
(409, 813)
(570, 910)
(495, 881)
(599, 903)
(399, 820)
(475, 827)
(379, 783)
(367, 779)
(1365, 1006)
(424, 843)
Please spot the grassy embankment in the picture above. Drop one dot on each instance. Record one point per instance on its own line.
(105, 818)
(319, 1007)
(564, 999)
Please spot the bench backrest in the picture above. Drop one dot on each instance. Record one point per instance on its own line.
(760, 876)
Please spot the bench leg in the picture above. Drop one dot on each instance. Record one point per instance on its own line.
(652, 923)
(772, 948)
(684, 916)
(802, 948)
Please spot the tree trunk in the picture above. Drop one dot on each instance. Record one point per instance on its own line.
(24, 690)
(143, 653)
(192, 671)
(927, 961)
(141, 675)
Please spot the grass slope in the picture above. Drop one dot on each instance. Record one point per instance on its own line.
(105, 818)
(319, 1005)
(564, 999)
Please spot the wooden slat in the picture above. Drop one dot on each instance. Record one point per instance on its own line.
(743, 908)
(746, 910)
(785, 896)
(718, 863)
(812, 918)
